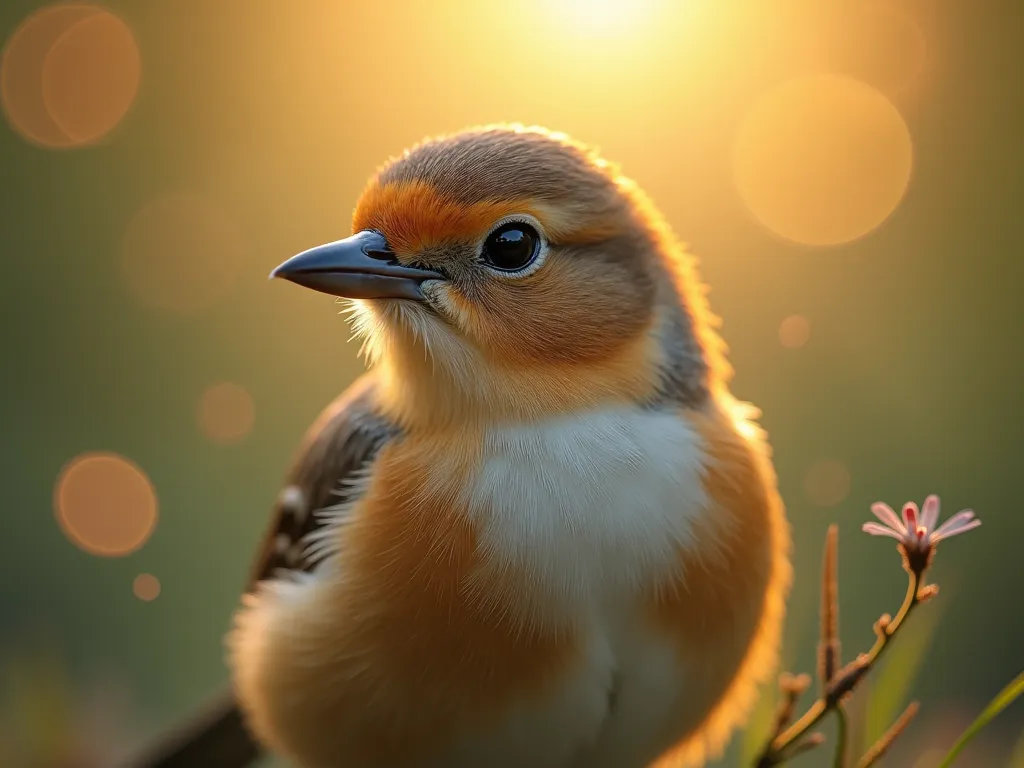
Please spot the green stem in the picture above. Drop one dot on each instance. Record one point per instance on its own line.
(997, 705)
(823, 706)
(839, 761)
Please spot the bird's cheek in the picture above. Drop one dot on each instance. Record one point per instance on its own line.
(448, 302)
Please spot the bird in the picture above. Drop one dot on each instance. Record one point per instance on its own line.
(539, 531)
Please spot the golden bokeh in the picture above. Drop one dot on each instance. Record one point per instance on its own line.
(874, 42)
(21, 71)
(146, 587)
(226, 413)
(91, 77)
(827, 483)
(68, 75)
(822, 159)
(181, 253)
(105, 504)
(794, 331)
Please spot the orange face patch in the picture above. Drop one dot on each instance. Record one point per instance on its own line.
(415, 216)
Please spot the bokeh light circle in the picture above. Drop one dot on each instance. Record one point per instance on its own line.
(69, 74)
(874, 42)
(105, 504)
(91, 77)
(146, 587)
(181, 253)
(794, 331)
(21, 71)
(822, 159)
(827, 483)
(226, 413)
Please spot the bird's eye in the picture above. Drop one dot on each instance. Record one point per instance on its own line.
(511, 246)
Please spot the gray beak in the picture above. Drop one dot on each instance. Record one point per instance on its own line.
(358, 267)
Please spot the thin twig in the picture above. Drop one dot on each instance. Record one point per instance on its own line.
(846, 679)
(882, 745)
(828, 646)
(792, 688)
(813, 740)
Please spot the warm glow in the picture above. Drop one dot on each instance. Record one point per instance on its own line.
(598, 16)
(822, 159)
(146, 587)
(827, 483)
(181, 253)
(794, 331)
(105, 504)
(226, 413)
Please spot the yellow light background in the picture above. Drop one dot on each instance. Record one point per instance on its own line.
(848, 172)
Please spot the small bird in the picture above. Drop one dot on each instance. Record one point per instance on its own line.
(540, 531)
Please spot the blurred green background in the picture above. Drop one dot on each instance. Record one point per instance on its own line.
(158, 162)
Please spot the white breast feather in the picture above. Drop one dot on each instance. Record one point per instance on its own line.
(593, 504)
(592, 507)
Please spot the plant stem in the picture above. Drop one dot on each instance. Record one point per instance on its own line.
(839, 761)
(997, 705)
(828, 702)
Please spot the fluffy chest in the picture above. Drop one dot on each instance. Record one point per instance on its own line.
(593, 505)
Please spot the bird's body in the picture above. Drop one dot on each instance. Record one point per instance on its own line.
(540, 532)
(576, 592)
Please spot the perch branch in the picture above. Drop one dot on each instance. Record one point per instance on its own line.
(843, 682)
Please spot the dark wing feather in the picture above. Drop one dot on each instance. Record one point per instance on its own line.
(340, 444)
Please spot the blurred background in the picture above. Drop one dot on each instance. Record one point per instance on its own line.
(848, 172)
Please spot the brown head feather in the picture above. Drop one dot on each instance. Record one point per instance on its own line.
(614, 281)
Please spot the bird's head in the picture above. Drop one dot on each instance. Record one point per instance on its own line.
(510, 273)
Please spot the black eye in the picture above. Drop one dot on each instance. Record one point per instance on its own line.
(511, 246)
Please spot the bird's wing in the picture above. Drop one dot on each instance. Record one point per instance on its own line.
(337, 448)
(339, 445)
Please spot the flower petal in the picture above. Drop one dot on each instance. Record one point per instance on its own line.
(930, 512)
(956, 521)
(880, 530)
(885, 513)
(910, 516)
(962, 528)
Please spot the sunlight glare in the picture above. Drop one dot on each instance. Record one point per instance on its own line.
(600, 17)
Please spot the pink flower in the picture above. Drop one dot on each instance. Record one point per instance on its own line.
(916, 532)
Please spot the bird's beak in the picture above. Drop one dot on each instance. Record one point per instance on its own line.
(358, 267)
